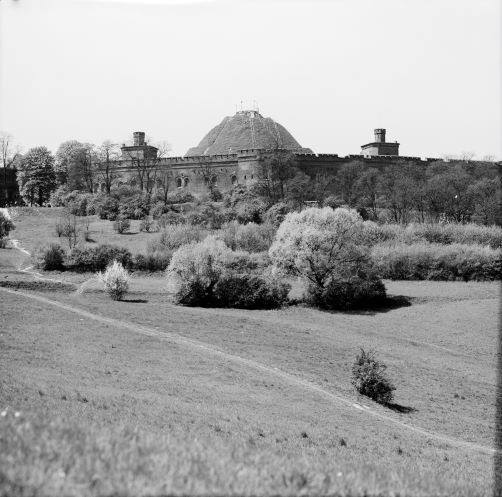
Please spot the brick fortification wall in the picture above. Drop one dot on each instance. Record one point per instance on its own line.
(243, 168)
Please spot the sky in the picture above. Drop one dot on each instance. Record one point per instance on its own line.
(330, 71)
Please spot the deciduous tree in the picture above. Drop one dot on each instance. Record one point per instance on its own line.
(36, 176)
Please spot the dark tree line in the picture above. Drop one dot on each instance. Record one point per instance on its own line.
(403, 192)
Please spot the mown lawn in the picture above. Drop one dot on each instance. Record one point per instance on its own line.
(105, 410)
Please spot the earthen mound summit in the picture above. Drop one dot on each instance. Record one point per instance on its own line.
(246, 130)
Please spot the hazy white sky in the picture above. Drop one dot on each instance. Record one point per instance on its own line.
(328, 70)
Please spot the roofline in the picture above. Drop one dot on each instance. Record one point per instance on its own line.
(380, 143)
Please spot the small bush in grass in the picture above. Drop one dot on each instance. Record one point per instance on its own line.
(147, 224)
(246, 291)
(115, 280)
(121, 225)
(369, 379)
(50, 258)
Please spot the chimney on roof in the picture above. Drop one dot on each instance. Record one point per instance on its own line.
(138, 138)
(380, 135)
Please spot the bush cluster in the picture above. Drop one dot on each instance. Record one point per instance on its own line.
(174, 236)
(202, 274)
(152, 261)
(121, 224)
(248, 291)
(432, 261)
(344, 294)
(441, 233)
(250, 237)
(83, 259)
(50, 258)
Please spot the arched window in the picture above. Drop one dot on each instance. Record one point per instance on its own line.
(185, 182)
(234, 179)
(179, 183)
(214, 180)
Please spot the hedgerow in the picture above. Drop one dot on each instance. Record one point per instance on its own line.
(432, 261)
(83, 259)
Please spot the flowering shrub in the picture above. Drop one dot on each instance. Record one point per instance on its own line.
(251, 237)
(196, 268)
(319, 243)
(174, 236)
(115, 280)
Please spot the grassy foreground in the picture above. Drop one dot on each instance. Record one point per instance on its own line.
(89, 407)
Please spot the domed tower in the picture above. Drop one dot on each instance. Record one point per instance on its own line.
(246, 130)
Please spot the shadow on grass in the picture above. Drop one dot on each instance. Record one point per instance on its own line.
(134, 301)
(371, 308)
(399, 408)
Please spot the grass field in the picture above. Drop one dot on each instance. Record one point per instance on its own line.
(147, 398)
(37, 226)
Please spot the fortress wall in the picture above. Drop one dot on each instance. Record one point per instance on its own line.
(243, 168)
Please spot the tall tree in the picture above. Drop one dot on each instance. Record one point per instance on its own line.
(147, 164)
(75, 165)
(276, 168)
(36, 177)
(346, 180)
(106, 156)
(9, 156)
(366, 189)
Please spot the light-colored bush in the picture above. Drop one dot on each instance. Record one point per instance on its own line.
(250, 237)
(318, 244)
(449, 233)
(174, 236)
(195, 269)
(115, 280)
(433, 261)
(330, 250)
